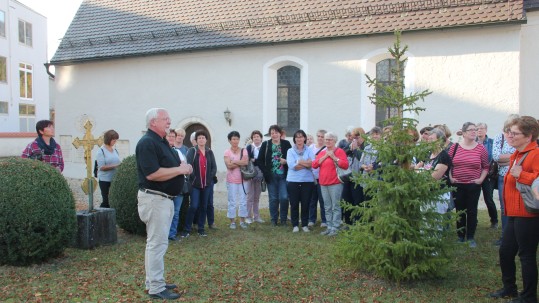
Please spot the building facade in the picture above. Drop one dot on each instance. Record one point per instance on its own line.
(306, 69)
(24, 82)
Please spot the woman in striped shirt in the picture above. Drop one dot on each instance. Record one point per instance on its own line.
(470, 168)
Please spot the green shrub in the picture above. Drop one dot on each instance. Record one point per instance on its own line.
(37, 212)
(123, 197)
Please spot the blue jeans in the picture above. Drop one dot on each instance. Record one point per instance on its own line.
(317, 196)
(278, 198)
(300, 194)
(199, 203)
(176, 219)
(502, 204)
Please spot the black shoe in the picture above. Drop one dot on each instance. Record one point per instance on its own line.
(503, 293)
(494, 225)
(172, 238)
(273, 223)
(202, 234)
(165, 295)
(171, 286)
(184, 234)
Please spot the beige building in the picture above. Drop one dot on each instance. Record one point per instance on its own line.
(299, 64)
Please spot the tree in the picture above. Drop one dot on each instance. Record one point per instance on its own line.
(399, 235)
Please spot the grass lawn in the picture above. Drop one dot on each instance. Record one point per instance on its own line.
(261, 264)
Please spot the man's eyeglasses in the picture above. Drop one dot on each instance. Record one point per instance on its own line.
(471, 130)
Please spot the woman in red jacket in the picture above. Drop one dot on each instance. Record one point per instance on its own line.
(521, 234)
(330, 185)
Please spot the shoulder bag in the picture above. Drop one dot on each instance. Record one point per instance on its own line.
(530, 203)
(343, 174)
(494, 170)
(247, 171)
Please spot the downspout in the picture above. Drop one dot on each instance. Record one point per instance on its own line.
(47, 66)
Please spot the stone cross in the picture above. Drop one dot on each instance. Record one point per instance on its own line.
(90, 183)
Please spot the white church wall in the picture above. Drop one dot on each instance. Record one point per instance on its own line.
(473, 72)
(529, 65)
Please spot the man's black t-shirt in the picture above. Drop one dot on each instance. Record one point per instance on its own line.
(152, 153)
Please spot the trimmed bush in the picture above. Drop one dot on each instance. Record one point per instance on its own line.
(123, 197)
(37, 212)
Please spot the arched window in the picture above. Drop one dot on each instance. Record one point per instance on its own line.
(385, 77)
(288, 98)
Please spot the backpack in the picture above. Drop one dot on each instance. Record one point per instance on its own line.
(96, 167)
(247, 171)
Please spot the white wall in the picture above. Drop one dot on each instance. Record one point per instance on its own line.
(17, 53)
(529, 65)
(473, 72)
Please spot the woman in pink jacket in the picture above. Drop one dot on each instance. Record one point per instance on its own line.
(330, 186)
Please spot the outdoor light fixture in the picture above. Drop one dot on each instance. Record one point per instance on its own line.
(227, 116)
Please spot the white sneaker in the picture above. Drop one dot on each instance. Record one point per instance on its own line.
(311, 224)
(243, 225)
(323, 225)
(295, 230)
(248, 220)
(306, 229)
(233, 225)
(259, 220)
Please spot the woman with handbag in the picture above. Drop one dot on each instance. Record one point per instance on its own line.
(300, 180)
(328, 160)
(501, 153)
(235, 157)
(255, 187)
(204, 170)
(521, 235)
(470, 168)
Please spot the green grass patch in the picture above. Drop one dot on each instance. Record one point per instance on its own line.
(261, 264)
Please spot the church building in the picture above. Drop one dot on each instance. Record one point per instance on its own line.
(299, 64)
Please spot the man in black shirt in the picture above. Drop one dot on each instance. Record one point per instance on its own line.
(160, 180)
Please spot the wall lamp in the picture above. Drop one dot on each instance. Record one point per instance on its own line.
(227, 116)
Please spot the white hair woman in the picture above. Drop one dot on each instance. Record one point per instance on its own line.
(331, 187)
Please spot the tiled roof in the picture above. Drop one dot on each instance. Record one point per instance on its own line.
(105, 29)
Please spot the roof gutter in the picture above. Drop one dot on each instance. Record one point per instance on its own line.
(47, 67)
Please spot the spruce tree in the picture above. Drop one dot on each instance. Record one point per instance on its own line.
(399, 235)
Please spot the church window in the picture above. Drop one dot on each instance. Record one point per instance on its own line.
(385, 76)
(288, 98)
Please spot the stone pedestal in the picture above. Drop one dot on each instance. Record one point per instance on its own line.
(96, 228)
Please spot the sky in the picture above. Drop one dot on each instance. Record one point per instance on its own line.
(59, 14)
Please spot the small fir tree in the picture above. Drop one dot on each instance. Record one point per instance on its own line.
(399, 235)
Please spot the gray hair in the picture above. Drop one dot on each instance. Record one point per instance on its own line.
(193, 136)
(331, 135)
(349, 130)
(440, 134)
(152, 114)
(509, 121)
(322, 132)
(481, 124)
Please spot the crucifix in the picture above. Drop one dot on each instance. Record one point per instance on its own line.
(90, 183)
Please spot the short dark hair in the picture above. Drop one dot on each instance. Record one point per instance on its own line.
(201, 133)
(171, 131)
(256, 132)
(41, 125)
(110, 135)
(233, 134)
(426, 129)
(276, 128)
(301, 132)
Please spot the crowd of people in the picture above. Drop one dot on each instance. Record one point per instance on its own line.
(302, 176)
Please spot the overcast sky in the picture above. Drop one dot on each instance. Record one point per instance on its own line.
(59, 14)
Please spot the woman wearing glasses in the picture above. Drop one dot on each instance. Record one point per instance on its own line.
(521, 234)
(470, 168)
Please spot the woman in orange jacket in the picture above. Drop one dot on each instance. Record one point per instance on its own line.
(521, 234)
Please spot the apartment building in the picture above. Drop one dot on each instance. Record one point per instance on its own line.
(24, 82)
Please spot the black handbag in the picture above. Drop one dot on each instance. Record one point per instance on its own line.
(187, 187)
